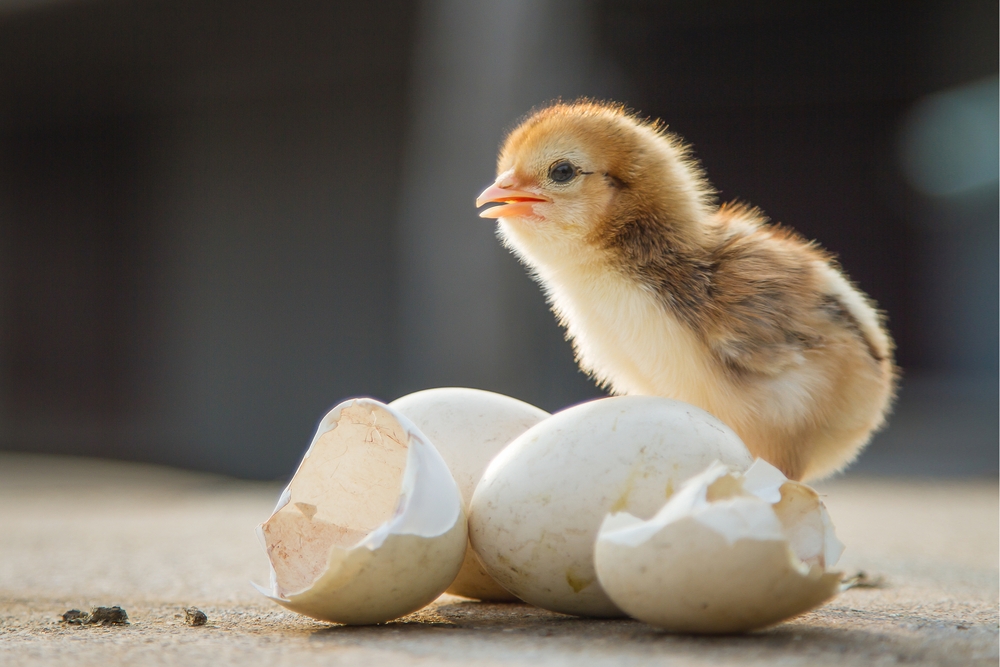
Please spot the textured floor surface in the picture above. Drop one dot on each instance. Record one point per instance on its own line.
(75, 533)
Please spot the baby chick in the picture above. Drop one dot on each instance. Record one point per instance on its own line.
(663, 292)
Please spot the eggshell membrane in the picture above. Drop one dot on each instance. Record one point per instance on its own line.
(468, 427)
(536, 512)
(721, 559)
(372, 525)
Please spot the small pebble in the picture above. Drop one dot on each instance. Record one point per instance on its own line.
(107, 616)
(194, 616)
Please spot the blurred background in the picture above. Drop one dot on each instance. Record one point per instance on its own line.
(219, 218)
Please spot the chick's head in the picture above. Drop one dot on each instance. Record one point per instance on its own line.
(571, 175)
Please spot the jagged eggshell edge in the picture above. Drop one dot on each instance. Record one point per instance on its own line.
(719, 567)
(403, 564)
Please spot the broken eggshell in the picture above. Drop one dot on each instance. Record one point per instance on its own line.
(535, 514)
(468, 428)
(371, 527)
(730, 552)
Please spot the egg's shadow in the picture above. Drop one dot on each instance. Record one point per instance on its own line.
(520, 627)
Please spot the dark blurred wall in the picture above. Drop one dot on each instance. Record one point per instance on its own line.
(218, 219)
(197, 227)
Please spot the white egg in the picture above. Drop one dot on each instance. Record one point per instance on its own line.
(372, 525)
(536, 512)
(728, 553)
(468, 427)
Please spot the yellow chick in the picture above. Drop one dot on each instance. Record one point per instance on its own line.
(663, 292)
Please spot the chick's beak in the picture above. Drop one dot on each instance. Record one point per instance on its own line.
(516, 203)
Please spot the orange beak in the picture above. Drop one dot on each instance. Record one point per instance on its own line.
(516, 203)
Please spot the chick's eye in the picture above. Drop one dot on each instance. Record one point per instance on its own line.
(562, 172)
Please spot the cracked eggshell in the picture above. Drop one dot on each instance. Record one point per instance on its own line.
(730, 552)
(468, 428)
(536, 512)
(371, 527)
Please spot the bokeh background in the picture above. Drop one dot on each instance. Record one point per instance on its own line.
(219, 218)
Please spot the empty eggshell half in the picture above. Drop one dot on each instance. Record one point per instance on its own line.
(468, 428)
(729, 552)
(371, 527)
(535, 514)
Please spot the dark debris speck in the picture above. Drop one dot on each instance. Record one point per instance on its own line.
(103, 616)
(75, 616)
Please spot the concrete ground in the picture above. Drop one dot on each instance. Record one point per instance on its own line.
(75, 533)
